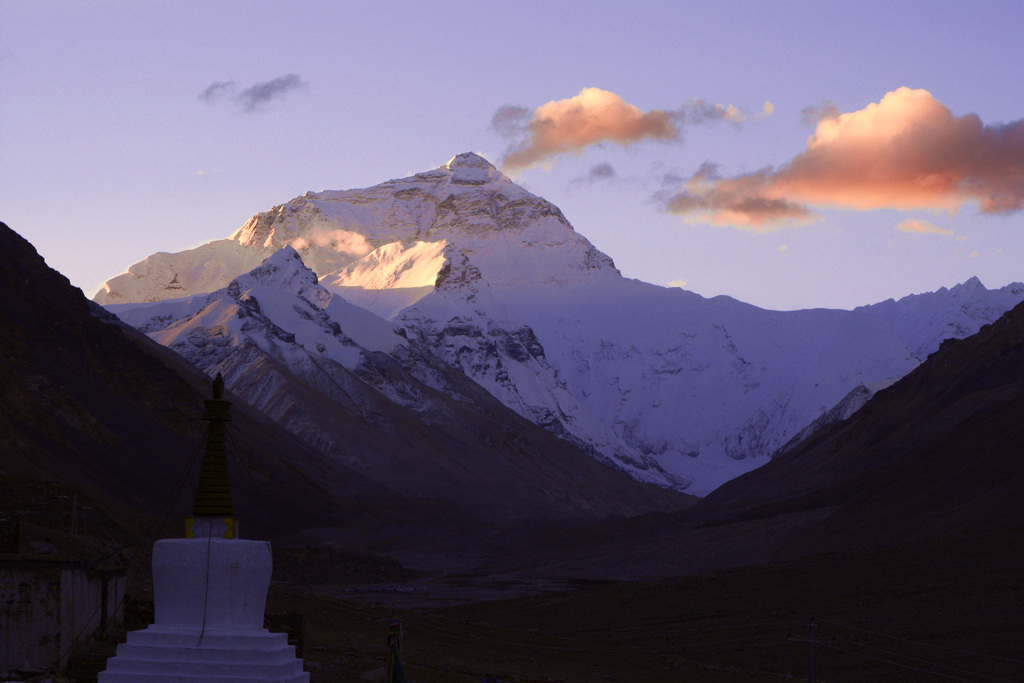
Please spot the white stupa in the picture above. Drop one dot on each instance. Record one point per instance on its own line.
(210, 592)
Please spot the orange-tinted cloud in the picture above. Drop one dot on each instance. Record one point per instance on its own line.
(595, 116)
(916, 226)
(905, 152)
(591, 117)
(744, 201)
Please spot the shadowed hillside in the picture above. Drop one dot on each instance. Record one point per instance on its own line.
(100, 408)
(937, 455)
(93, 404)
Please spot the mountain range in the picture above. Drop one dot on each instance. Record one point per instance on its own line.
(419, 284)
(895, 526)
(92, 404)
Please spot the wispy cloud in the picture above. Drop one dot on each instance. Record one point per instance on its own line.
(217, 91)
(904, 152)
(812, 115)
(593, 117)
(916, 226)
(602, 171)
(706, 197)
(256, 96)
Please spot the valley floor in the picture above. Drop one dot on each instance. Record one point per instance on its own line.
(938, 611)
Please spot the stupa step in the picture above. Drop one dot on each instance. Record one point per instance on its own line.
(161, 636)
(279, 655)
(149, 677)
(188, 669)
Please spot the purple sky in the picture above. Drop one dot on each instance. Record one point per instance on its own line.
(128, 128)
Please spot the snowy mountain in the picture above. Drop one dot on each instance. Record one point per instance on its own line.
(347, 383)
(464, 267)
(924, 321)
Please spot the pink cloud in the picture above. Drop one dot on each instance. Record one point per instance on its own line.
(591, 117)
(919, 227)
(595, 116)
(744, 201)
(905, 152)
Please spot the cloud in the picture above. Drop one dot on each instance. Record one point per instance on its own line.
(593, 117)
(814, 114)
(572, 125)
(700, 111)
(697, 111)
(916, 226)
(341, 241)
(676, 283)
(707, 198)
(905, 152)
(216, 91)
(603, 171)
(510, 121)
(255, 96)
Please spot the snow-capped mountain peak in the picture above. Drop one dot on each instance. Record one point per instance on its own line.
(284, 270)
(469, 168)
(494, 282)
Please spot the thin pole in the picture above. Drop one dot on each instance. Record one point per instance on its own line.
(810, 666)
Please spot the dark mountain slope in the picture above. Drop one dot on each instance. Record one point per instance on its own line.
(91, 403)
(937, 454)
(101, 408)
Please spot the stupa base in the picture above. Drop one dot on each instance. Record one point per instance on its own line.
(168, 655)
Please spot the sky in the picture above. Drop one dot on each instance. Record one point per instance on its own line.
(790, 154)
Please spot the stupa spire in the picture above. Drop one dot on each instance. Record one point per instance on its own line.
(213, 510)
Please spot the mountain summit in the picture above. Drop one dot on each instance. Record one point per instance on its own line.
(400, 235)
(678, 390)
(469, 168)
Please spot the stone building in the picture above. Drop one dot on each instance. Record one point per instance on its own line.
(51, 600)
